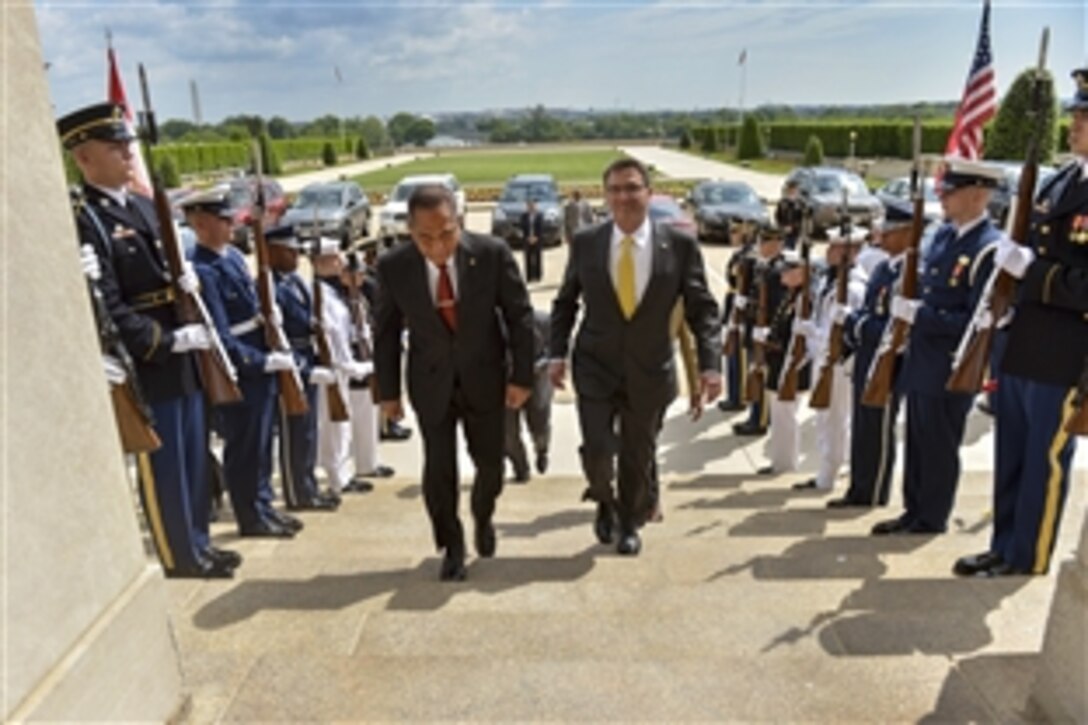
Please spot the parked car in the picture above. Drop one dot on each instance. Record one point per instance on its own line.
(243, 197)
(336, 209)
(899, 190)
(1001, 198)
(393, 221)
(718, 204)
(506, 217)
(665, 209)
(822, 189)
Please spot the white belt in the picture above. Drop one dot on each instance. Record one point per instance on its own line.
(243, 328)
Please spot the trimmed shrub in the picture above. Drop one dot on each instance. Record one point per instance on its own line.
(328, 154)
(751, 140)
(814, 151)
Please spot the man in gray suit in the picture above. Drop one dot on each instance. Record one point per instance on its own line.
(449, 289)
(537, 412)
(629, 274)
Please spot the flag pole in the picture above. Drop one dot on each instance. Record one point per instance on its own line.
(740, 95)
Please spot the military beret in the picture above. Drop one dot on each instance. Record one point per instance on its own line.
(214, 201)
(102, 121)
(1080, 95)
(961, 173)
(284, 236)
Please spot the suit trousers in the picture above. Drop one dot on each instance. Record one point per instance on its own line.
(246, 428)
(537, 414)
(298, 453)
(333, 444)
(935, 425)
(833, 426)
(174, 486)
(611, 429)
(872, 449)
(364, 430)
(1034, 455)
(484, 435)
(735, 366)
(784, 445)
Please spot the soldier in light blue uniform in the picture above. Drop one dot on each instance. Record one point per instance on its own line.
(246, 427)
(139, 293)
(298, 433)
(1046, 354)
(952, 278)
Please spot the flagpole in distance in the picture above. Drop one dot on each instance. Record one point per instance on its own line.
(742, 61)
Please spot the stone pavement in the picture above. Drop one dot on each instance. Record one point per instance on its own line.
(295, 182)
(750, 601)
(680, 165)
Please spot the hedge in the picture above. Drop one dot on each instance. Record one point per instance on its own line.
(204, 158)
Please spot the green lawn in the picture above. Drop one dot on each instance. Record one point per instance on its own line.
(493, 168)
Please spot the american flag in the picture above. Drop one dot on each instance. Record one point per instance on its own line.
(979, 102)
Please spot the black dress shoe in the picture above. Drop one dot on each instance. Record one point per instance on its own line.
(381, 472)
(1003, 569)
(332, 496)
(453, 567)
(268, 530)
(318, 503)
(726, 406)
(231, 558)
(521, 476)
(891, 526)
(485, 539)
(542, 462)
(291, 523)
(394, 431)
(976, 564)
(358, 485)
(629, 544)
(809, 485)
(747, 429)
(844, 502)
(605, 523)
(207, 569)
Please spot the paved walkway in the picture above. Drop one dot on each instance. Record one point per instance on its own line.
(680, 165)
(295, 182)
(751, 601)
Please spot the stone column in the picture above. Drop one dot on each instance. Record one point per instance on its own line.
(1061, 682)
(84, 632)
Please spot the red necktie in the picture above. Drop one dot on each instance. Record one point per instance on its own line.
(447, 305)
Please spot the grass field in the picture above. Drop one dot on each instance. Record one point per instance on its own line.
(486, 168)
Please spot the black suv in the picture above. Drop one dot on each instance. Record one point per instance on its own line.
(506, 218)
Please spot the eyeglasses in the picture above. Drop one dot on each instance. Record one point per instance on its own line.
(629, 189)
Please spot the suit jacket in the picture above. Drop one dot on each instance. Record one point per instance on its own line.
(137, 289)
(494, 318)
(1048, 338)
(613, 354)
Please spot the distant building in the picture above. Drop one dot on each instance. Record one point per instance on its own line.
(447, 142)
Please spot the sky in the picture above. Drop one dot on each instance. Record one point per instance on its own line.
(280, 58)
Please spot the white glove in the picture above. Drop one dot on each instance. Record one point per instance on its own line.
(760, 334)
(1013, 258)
(839, 313)
(188, 281)
(358, 370)
(191, 337)
(804, 327)
(276, 361)
(115, 372)
(740, 301)
(984, 320)
(277, 314)
(88, 262)
(322, 376)
(905, 309)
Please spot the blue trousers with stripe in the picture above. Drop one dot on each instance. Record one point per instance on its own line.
(1034, 456)
(174, 485)
(734, 378)
(247, 450)
(872, 448)
(298, 453)
(935, 425)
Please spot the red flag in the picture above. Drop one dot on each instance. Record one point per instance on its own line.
(140, 182)
(979, 102)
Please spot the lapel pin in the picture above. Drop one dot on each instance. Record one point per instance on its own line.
(472, 261)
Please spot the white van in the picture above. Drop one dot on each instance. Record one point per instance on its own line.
(393, 221)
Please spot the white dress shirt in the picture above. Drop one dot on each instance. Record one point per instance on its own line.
(643, 253)
(432, 277)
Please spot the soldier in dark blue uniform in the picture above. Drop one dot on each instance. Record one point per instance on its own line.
(740, 264)
(1046, 353)
(872, 430)
(246, 427)
(952, 278)
(769, 254)
(298, 433)
(139, 292)
(790, 213)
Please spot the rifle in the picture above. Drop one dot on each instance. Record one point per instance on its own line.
(878, 385)
(973, 354)
(757, 369)
(135, 422)
(1077, 424)
(217, 375)
(292, 392)
(821, 394)
(798, 347)
(357, 307)
(338, 407)
(736, 317)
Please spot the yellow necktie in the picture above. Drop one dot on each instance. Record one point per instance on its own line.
(625, 277)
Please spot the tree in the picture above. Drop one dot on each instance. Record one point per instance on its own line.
(814, 151)
(270, 160)
(175, 128)
(750, 145)
(398, 127)
(362, 151)
(373, 131)
(168, 172)
(253, 124)
(279, 127)
(420, 132)
(710, 143)
(1014, 124)
(328, 154)
(686, 142)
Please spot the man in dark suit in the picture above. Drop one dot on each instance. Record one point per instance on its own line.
(1046, 354)
(537, 412)
(467, 313)
(532, 235)
(629, 274)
